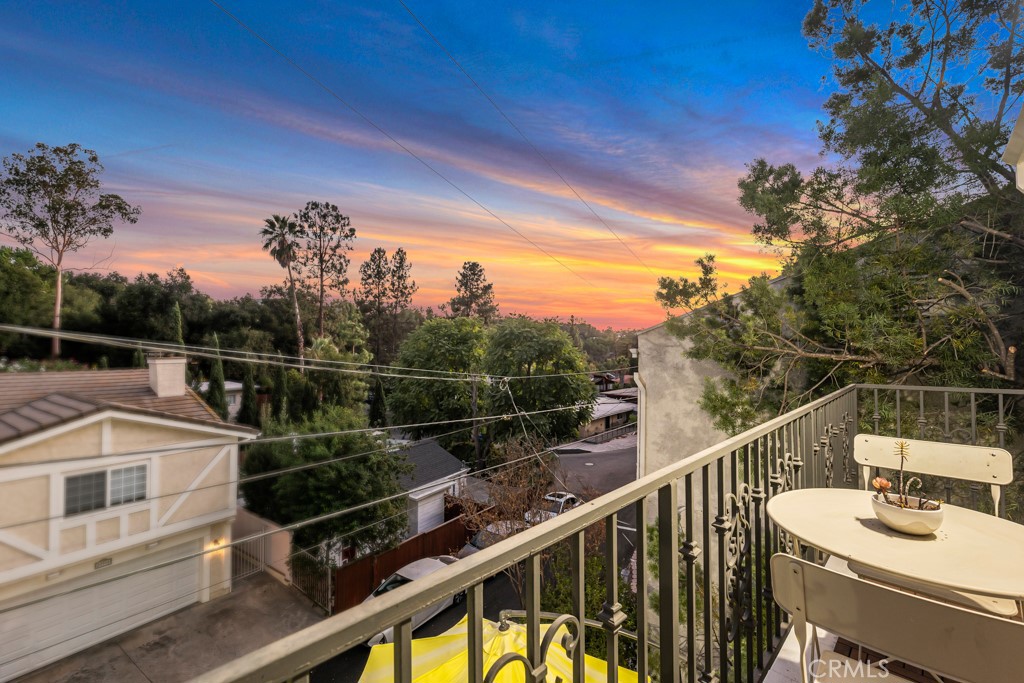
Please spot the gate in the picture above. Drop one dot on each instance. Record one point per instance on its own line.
(313, 578)
(248, 557)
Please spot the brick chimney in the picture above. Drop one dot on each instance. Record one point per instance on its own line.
(167, 375)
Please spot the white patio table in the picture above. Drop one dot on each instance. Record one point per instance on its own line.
(972, 552)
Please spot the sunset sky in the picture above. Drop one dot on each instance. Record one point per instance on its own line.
(649, 110)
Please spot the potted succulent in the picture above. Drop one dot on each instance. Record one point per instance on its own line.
(916, 515)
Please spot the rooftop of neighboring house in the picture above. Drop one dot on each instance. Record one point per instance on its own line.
(606, 407)
(430, 463)
(31, 402)
(229, 386)
(627, 394)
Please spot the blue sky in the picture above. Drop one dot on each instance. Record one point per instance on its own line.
(649, 110)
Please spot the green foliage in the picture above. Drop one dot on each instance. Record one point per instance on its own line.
(520, 347)
(384, 298)
(444, 344)
(178, 325)
(280, 237)
(474, 295)
(139, 358)
(216, 397)
(279, 391)
(249, 410)
(902, 262)
(26, 290)
(50, 202)
(370, 474)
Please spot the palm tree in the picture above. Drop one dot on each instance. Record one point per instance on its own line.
(281, 238)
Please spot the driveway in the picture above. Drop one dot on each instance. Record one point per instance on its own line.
(180, 646)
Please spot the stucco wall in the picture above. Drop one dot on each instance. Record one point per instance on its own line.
(673, 426)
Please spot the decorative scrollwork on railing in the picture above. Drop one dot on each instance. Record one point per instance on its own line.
(826, 449)
(540, 672)
(786, 469)
(849, 473)
(734, 534)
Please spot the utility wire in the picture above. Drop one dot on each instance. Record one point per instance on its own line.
(269, 474)
(263, 534)
(252, 357)
(390, 137)
(518, 130)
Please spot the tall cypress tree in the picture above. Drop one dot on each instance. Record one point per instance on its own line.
(139, 358)
(280, 391)
(179, 327)
(215, 395)
(249, 412)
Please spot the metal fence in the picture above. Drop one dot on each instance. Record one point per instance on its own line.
(314, 578)
(248, 556)
(610, 434)
(714, 618)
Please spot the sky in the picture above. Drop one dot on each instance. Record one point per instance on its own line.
(649, 111)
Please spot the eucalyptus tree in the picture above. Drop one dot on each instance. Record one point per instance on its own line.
(281, 236)
(51, 202)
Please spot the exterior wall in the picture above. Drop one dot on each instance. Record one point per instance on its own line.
(279, 545)
(601, 425)
(189, 495)
(672, 425)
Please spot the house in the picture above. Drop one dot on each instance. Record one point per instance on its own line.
(630, 394)
(604, 381)
(113, 485)
(435, 472)
(609, 413)
(673, 424)
(1014, 152)
(233, 394)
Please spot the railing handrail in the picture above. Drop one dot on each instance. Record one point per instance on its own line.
(301, 651)
(951, 390)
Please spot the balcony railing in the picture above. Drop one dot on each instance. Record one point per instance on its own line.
(714, 618)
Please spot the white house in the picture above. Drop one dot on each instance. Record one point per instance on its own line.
(117, 487)
(435, 472)
(233, 394)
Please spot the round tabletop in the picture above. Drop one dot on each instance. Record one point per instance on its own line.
(971, 552)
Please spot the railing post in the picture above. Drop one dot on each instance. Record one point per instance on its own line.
(668, 588)
(403, 652)
(611, 616)
(577, 555)
(641, 588)
(533, 615)
(475, 632)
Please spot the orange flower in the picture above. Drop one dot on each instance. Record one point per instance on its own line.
(881, 484)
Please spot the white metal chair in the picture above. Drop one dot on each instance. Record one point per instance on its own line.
(992, 466)
(947, 640)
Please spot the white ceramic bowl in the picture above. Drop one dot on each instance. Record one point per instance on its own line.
(907, 520)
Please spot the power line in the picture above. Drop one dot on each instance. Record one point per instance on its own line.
(518, 130)
(263, 534)
(269, 474)
(390, 137)
(255, 358)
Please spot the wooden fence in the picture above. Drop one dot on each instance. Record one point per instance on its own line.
(356, 580)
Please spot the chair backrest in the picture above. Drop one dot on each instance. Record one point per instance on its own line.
(935, 636)
(992, 466)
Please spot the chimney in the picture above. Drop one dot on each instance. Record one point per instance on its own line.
(167, 375)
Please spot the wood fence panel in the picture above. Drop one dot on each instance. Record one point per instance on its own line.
(353, 581)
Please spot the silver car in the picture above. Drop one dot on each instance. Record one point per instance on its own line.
(552, 505)
(491, 534)
(408, 574)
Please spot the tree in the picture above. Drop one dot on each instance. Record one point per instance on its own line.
(322, 262)
(249, 410)
(546, 371)
(474, 295)
(179, 334)
(901, 262)
(139, 358)
(24, 294)
(280, 238)
(384, 298)
(51, 202)
(451, 345)
(370, 474)
(279, 397)
(216, 397)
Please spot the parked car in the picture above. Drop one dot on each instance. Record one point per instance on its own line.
(552, 505)
(408, 574)
(491, 534)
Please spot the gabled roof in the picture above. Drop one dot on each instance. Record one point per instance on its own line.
(31, 402)
(606, 407)
(430, 463)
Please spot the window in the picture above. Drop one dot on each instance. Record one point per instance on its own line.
(231, 399)
(127, 485)
(86, 492)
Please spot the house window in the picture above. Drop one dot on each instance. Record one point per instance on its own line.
(127, 484)
(231, 399)
(87, 492)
